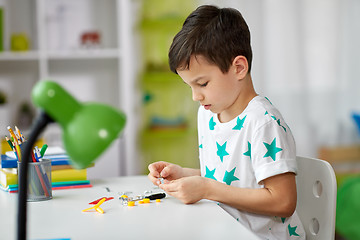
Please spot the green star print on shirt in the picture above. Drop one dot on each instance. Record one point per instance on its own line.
(210, 173)
(248, 152)
(221, 152)
(239, 123)
(212, 124)
(229, 177)
(292, 230)
(272, 150)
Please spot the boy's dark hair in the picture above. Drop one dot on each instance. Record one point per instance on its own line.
(218, 34)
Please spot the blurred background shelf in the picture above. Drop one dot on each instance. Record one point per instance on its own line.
(19, 56)
(85, 54)
(86, 46)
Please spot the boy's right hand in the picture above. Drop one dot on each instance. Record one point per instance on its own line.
(168, 171)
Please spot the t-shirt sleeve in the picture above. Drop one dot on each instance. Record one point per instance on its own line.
(273, 151)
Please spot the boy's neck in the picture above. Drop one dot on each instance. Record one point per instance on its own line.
(247, 93)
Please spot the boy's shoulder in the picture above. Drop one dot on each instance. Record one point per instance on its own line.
(261, 111)
(260, 106)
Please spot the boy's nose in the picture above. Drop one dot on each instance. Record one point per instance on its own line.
(197, 96)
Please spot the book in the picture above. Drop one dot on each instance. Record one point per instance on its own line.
(63, 175)
(57, 155)
(55, 186)
(68, 175)
(71, 185)
(50, 152)
(9, 162)
(10, 188)
(61, 167)
(8, 176)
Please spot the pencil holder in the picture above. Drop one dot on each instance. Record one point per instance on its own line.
(39, 180)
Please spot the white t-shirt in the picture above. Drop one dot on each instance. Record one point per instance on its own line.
(243, 152)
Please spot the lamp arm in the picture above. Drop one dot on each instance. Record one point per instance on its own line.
(39, 125)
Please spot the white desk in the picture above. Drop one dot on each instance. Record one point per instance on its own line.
(62, 217)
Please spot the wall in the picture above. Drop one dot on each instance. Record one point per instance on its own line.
(306, 62)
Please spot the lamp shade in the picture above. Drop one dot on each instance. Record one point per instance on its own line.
(87, 128)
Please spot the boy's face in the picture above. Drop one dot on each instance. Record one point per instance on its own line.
(216, 91)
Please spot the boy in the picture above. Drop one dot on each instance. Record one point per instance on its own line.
(247, 152)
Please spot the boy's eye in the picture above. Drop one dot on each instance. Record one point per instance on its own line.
(204, 84)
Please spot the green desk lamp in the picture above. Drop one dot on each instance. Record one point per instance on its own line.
(88, 129)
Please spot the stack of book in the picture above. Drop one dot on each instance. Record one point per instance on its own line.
(62, 174)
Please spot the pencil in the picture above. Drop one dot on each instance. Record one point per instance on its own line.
(18, 150)
(9, 142)
(13, 134)
(40, 176)
(19, 133)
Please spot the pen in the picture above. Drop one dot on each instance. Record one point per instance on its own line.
(45, 176)
(33, 157)
(41, 178)
(42, 168)
(43, 150)
(37, 154)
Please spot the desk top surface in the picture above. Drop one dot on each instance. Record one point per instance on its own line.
(62, 216)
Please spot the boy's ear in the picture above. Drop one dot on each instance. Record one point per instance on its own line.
(241, 66)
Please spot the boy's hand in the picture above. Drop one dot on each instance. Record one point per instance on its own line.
(188, 189)
(166, 170)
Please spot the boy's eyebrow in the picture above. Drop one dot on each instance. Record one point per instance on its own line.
(194, 80)
(197, 79)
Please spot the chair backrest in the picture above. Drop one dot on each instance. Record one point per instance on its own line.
(316, 192)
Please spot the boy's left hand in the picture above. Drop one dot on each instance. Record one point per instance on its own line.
(187, 189)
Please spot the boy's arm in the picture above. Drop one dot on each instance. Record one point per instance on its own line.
(277, 198)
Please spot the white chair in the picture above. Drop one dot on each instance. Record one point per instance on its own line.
(316, 192)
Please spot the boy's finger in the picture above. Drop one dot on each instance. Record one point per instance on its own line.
(153, 170)
(166, 181)
(165, 172)
(153, 179)
(171, 186)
